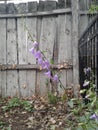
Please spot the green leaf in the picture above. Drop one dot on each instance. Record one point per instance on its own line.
(70, 103)
(82, 91)
(79, 128)
(82, 118)
(51, 61)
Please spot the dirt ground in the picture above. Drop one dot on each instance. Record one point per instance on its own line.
(34, 114)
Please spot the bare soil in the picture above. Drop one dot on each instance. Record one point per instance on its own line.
(40, 115)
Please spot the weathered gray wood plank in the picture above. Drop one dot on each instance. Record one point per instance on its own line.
(26, 78)
(3, 41)
(75, 25)
(12, 76)
(31, 75)
(35, 14)
(22, 55)
(69, 79)
(46, 42)
(63, 79)
(31, 81)
(3, 56)
(64, 40)
(65, 52)
(31, 29)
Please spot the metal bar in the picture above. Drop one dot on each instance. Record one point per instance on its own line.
(90, 39)
(97, 62)
(33, 66)
(91, 24)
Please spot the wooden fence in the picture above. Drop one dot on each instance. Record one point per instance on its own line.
(55, 26)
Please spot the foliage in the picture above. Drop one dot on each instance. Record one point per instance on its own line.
(53, 99)
(86, 113)
(45, 64)
(3, 126)
(94, 7)
(16, 102)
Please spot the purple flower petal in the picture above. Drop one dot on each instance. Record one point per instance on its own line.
(40, 61)
(87, 70)
(38, 55)
(46, 65)
(48, 74)
(35, 44)
(55, 78)
(86, 83)
(32, 50)
(94, 116)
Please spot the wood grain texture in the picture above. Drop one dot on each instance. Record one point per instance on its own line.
(46, 40)
(3, 56)
(64, 43)
(22, 55)
(75, 25)
(64, 34)
(12, 76)
(27, 79)
(31, 75)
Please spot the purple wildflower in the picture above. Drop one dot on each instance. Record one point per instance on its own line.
(32, 50)
(94, 116)
(46, 64)
(35, 44)
(48, 74)
(87, 70)
(40, 61)
(55, 78)
(38, 55)
(86, 83)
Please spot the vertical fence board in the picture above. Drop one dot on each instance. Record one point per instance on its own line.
(12, 76)
(64, 34)
(31, 75)
(69, 78)
(22, 53)
(82, 4)
(3, 56)
(39, 74)
(75, 34)
(46, 44)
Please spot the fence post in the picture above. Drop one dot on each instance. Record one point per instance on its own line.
(75, 24)
(97, 61)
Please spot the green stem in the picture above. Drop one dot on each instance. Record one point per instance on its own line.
(43, 55)
(29, 33)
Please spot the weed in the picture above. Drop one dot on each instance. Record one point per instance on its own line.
(2, 124)
(27, 105)
(16, 102)
(52, 98)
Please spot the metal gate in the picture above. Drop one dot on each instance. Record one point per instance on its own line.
(88, 51)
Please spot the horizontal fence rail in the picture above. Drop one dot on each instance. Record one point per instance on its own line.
(88, 51)
(34, 67)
